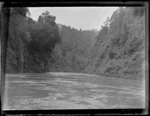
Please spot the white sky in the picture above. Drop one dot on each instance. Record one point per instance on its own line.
(85, 18)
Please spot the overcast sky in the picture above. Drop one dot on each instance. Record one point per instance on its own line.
(85, 18)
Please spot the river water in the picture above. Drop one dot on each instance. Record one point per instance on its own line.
(71, 91)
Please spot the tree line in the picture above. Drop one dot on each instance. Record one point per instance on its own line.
(43, 46)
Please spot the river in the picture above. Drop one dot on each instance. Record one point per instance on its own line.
(58, 90)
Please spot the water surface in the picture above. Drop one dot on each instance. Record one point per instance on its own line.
(71, 91)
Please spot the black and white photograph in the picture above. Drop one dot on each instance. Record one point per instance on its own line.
(75, 58)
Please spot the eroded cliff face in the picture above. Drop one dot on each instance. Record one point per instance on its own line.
(120, 47)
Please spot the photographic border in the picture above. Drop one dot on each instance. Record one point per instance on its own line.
(54, 3)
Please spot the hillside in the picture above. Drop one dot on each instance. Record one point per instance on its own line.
(43, 46)
(119, 49)
(71, 54)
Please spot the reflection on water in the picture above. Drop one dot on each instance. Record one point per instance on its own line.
(62, 91)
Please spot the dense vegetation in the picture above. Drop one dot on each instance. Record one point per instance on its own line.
(71, 54)
(30, 43)
(43, 45)
(119, 49)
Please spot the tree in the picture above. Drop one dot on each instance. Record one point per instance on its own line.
(44, 36)
(30, 43)
(15, 48)
(46, 17)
